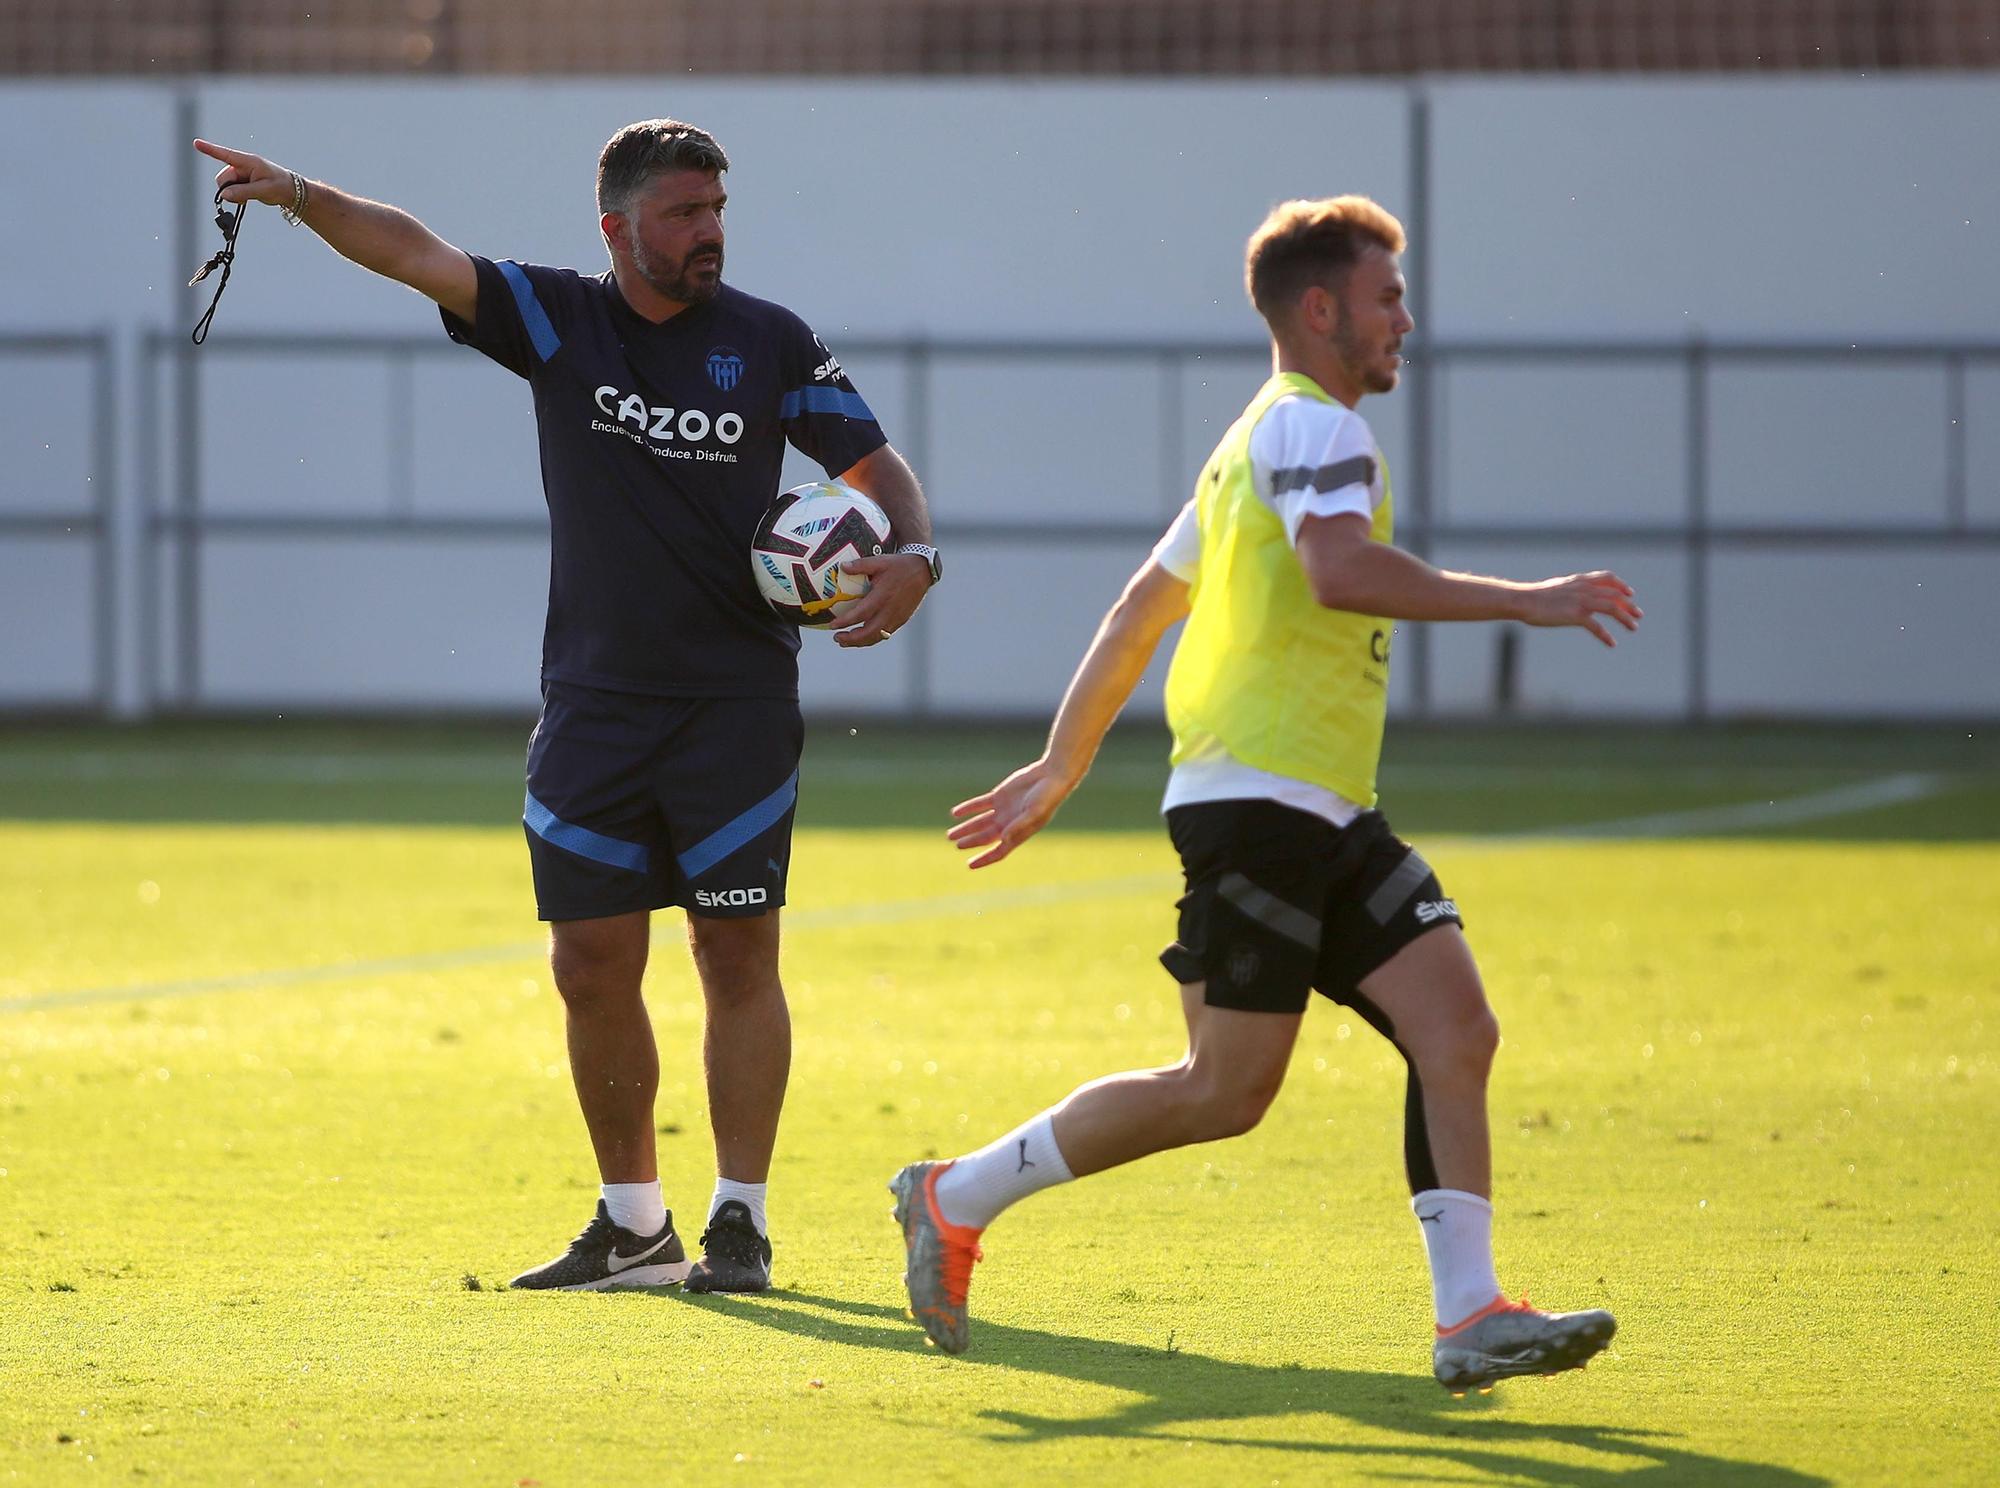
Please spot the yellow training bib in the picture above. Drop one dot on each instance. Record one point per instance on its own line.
(1277, 679)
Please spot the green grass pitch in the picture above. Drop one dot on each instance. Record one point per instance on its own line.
(283, 1099)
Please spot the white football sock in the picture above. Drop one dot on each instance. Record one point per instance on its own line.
(975, 1189)
(749, 1194)
(637, 1207)
(1458, 1234)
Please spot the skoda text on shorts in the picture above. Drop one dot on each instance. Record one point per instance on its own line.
(1283, 567)
(665, 766)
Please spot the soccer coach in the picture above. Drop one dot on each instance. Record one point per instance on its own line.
(664, 767)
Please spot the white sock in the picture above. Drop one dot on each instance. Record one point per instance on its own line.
(637, 1207)
(749, 1194)
(1458, 1233)
(975, 1189)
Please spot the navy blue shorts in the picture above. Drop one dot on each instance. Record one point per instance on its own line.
(638, 802)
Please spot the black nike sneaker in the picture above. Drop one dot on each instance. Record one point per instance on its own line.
(734, 1257)
(605, 1256)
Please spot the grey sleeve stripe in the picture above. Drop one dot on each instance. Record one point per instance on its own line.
(1270, 911)
(1396, 889)
(1358, 470)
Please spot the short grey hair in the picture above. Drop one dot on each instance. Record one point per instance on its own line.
(639, 152)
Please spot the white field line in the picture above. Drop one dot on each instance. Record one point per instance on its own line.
(1842, 800)
(891, 912)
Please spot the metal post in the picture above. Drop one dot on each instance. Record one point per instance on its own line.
(1429, 369)
(147, 489)
(1507, 671)
(1173, 479)
(1957, 497)
(917, 665)
(104, 426)
(187, 412)
(1698, 530)
(402, 436)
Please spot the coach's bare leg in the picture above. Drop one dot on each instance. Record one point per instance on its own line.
(1431, 992)
(747, 1043)
(1220, 1088)
(599, 966)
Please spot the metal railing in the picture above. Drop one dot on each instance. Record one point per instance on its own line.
(91, 522)
(1698, 533)
(174, 512)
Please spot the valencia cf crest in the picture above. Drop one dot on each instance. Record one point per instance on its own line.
(725, 367)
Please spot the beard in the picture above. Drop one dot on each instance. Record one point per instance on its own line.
(692, 280)
(1362, 362)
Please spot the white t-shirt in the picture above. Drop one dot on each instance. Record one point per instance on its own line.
(1308, 459)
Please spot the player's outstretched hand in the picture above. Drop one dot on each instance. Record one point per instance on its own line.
(1010, 813)
(1584, 600)
(246, 177)
(897, 583)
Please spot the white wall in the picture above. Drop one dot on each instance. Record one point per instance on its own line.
(874, 208)
(86, 245)
(1561, 209)
(1779, 207)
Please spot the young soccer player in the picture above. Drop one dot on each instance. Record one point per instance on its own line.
(1283, 566)
(665, 766)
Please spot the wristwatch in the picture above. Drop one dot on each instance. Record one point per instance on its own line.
(929, 554)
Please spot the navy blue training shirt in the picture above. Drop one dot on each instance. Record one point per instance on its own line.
(661, 449)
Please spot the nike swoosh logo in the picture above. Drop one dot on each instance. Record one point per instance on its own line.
(1430, 1218)
(615, 1262)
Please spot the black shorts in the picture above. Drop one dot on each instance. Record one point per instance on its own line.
(638, 802)
(1281, 903)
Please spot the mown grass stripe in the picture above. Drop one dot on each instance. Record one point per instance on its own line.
(1817, 805)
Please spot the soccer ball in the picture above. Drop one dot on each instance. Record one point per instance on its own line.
(800, 544)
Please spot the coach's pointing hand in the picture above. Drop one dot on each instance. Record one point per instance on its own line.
(897, 583)
(245, 177)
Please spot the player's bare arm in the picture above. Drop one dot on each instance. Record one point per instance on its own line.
(375, 235)
(1349, 570)
(1021, 805)
(897, 582)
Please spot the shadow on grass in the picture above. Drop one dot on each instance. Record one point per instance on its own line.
(1175, 1391)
